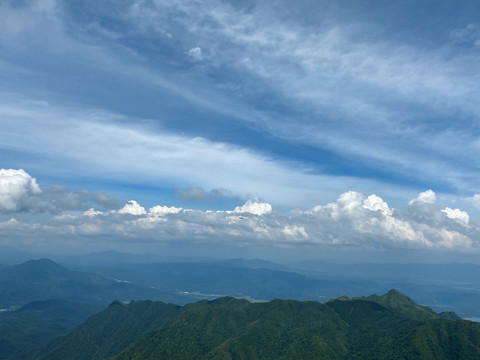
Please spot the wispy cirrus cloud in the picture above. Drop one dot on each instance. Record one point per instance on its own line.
(307, 85)
(101, 144)
(335, 79)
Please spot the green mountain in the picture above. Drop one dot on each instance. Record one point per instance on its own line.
(110, 331)
(37, 323)
(390, 326)
(406, 307)
(338, 329)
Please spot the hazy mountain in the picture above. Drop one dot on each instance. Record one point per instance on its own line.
(460, 275)
(44, 279)
(211, 280)
(250, 279)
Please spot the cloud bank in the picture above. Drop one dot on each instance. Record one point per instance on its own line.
(353, 220)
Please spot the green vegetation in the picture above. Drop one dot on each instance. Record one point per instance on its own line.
(406, 307)
(37, 323)
(387, 328)
(109, 331)
(391, 326)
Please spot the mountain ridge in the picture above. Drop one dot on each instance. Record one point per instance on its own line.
(228, 327)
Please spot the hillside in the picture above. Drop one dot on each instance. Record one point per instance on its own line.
(37, 323)
(404, 306)
(281, 329)
(110, 331)
(228, 328)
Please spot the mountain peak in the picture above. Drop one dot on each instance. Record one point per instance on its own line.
(393, 298)
(394, 294)
(402, 304)
(41, 264)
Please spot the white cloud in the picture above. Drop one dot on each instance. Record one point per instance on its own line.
(15, 187)
(196, 53)
(19, 192)
(254, 208)
(132, 208)
(376, 203)
(457, 214)
(354, 217)
(163, 210)
(454, 239)
(92, 212)
(353, 220)
(335, 71)
(347, 203)
(305, 66)
(426, 197)
(102, 143)
(295, 231)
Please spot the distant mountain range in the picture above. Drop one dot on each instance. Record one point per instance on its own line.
(391, 326)
(44, 279)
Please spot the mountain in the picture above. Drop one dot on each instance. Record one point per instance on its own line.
(404, 306)
(286, 329)
(50, 300)
(382, 327)
(114, 329)
(247, 279)
(39, 322)
(110, 331)
(44, 279)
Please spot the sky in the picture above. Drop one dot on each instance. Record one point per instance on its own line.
(252, 128)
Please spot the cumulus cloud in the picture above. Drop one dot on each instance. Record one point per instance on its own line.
(255, 208)
(353, 220)
(20, 192)
(376, 203)
(133, 208)
(15, 188)
(163, 210)
(457, 214)
(92, 212)
(426, 197)
(354, 216)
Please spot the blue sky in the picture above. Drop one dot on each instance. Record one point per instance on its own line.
(206, 105)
